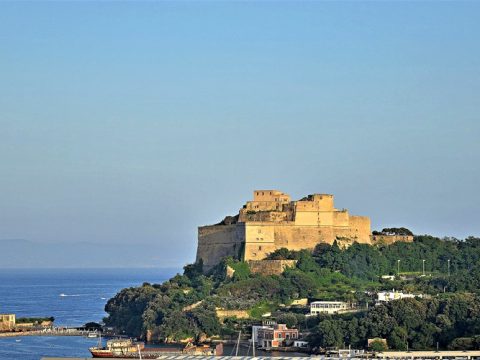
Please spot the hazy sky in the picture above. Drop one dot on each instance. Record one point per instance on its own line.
(134, 123)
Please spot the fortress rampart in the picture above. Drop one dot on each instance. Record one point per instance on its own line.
(272, 221)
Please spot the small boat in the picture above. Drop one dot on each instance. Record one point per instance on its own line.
(92, 335)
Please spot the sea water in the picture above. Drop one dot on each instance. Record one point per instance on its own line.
(73, 297)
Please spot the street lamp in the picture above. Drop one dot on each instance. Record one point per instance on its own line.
(423, 267)
(398, 267)
(448, 266)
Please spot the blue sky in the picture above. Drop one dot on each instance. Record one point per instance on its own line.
(134, 123)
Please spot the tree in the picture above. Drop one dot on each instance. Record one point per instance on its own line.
(93, 326)
(193, 271)
(398, 338)
(378, 345)
(206, 320)
(289, 319)
(328, 333)
(397, 231)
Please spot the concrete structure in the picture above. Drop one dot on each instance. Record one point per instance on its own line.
(330, 307)
(276, 336)
(272, 221)
(7, 322)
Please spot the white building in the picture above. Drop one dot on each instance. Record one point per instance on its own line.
(300, 344)
(255, 329)
(386, 296)
(329, 307)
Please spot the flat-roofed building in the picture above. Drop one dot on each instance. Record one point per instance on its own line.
(330, 307)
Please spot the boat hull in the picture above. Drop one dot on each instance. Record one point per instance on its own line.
(101, 354)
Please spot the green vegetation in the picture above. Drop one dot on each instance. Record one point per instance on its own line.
(184, 306)
(449, 319)
(33, 320)
(242, 270)
(394, 231)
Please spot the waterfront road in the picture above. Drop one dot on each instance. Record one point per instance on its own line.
(388, 355)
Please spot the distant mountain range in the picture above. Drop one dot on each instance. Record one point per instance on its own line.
(21, 253)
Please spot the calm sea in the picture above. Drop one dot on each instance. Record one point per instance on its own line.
(73, 297)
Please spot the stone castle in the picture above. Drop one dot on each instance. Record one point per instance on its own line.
(273, 221)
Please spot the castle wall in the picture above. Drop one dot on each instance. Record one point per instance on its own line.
(358, 230)
(270, 267)
(259, 240)
(287, 235)
(390, 239)
(270, 195)
(341, 218)
(218, 241)
(321, 202)
(262, 206)
(319, 210)
(312, 217)
(295, 237)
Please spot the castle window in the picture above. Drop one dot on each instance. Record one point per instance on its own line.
(262, 193)
(259, 248)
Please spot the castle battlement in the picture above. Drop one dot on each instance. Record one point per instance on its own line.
(272, 221)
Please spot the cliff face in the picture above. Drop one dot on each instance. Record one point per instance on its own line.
(272, 221)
